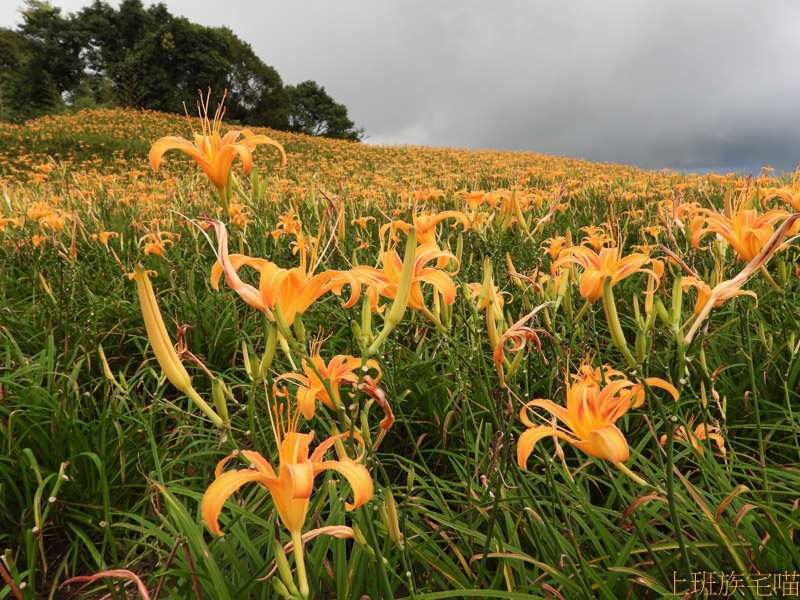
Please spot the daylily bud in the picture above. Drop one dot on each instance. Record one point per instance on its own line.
(703, 364)
(637, 314)
(365, 428)
(400, 303)
(410, 479)
(518, 211)
(512, 370)
(517, 281)
(447, 315)
(641, 346)
(366, 315)
(761, 336)
(460, 248)
(158, 336)
(391, 520)
(358, 536)
(677, 297)
(613, 322)
(281, 589)
(106, 369)
(162, 345)
(783, 273)
(248, 367)
(283, 568)
(406, 276)
(662, 312)
(299, 328)
(280, 320)
(218, 394)
(564, 293)
(487, 282)
(269, 351)
(47, 289)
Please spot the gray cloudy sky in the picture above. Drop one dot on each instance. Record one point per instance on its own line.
(690, 85)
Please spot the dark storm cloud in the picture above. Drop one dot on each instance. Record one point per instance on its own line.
(690, 85)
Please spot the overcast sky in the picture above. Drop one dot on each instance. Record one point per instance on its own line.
(690, 85)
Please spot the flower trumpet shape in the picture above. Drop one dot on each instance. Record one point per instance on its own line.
(296, 289)
(213, 153)
(700, 433)
(386, 281)
(596, 267)
(742, 227)
(291, 484)
(340, 370)
(588, 419)
(425, 224)
(730, 288)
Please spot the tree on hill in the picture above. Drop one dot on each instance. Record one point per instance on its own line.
(256, 90)
(26, 88)
(314, 112)
(146, 57)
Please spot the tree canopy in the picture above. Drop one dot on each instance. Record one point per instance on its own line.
(313, 111)
(146, 57)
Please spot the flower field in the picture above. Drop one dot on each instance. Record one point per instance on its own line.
(257, 364)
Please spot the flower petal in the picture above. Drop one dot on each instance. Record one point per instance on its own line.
(220, 490)
(357, 476)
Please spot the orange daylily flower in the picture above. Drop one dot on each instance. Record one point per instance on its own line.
(596, 237)
(385, 281)
(213, 153)
(296, 289)
(731, 287)
(291, 486)
(340, 370)
(425, 225)
(474, 199)
(588, 419)
(596, 267)
(496, 296)
(104, 236)
(520, 334)
(700, 433)
(362, 221)
(741, 226)
(554, 245)
(704, 293)
(789, 194)
(156, 243)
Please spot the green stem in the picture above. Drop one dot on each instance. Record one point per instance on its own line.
(489, 532)
(673, 507)
(745, 323)
(373, 541)
(642, 536)
(582, 312)
(300, 563)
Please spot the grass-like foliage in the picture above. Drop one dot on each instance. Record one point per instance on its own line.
(636, 437)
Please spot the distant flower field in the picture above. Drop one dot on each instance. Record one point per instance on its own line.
(251, 364)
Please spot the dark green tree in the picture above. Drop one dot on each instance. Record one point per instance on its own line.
(26, 88)
(142, 56)
(314, 112)
(256, 92)
(55, 42)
